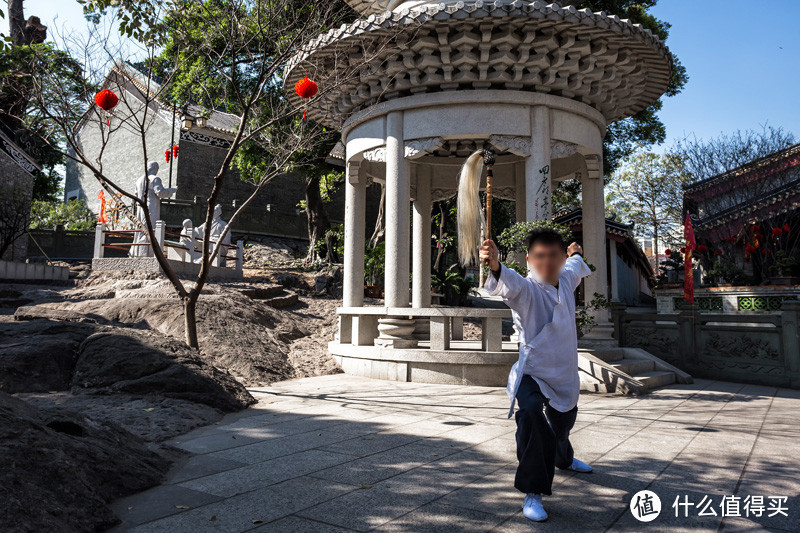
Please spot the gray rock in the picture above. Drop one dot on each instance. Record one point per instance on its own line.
(39, 356)
(58, 470)
(131, 362)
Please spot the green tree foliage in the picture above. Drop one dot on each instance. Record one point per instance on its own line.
(512, 239)
(642, 129)
(24, 64)
(74, 215)
(648, 191)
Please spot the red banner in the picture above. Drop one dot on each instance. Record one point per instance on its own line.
(688, 275)
(102, 197)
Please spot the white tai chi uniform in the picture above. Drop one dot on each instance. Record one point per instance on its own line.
(548, 340)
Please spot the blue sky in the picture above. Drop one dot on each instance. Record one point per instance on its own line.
(742, 57)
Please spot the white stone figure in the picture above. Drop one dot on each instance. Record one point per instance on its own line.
(187, 240)
(155, 192)
(217, 227)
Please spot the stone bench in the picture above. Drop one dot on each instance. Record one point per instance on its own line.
(446, 324)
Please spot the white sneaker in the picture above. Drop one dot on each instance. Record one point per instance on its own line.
(580, 466)
(532, 508)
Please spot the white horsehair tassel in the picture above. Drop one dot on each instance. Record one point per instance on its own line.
(470, 219)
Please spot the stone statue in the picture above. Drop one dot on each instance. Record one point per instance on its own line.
(217, 227)
(155, 192)
(187, 240)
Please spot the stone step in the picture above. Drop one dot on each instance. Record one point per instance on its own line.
(608, 355)
(656, 378)
(260, 291)
(634, 366)
(281, 301)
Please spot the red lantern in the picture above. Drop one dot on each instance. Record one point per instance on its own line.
(175, 151)
(750, 249)
(786, 228)
(702, 248)
(305, 88)
(776, 232)
(754, 228)
(106, 100)
(764, 252)
(668, 251)
(167, 155)
(717, 252)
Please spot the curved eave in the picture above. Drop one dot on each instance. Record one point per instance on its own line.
(655, 56)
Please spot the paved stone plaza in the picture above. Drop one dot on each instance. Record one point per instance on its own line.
(342, 453)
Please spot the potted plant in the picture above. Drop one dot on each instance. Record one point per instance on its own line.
(784, 269)
(453, 286)
(374, 264)
(725, 273)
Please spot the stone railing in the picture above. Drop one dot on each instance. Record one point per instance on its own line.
(729, 299)
(405, 327)
(181, 248)
(756, 348)
(425, 345)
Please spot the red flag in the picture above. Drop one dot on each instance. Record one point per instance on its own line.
(691, 244)
(102, 197)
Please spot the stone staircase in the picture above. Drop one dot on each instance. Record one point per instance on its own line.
(272, 294)
(614, 369)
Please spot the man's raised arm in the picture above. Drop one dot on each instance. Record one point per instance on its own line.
(503, 281)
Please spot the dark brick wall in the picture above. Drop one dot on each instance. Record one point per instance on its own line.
(12, 175)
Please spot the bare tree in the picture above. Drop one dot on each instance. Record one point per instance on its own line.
(256, 37)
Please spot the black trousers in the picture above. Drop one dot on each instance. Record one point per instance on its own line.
(542, 439)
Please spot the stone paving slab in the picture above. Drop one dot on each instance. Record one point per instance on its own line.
(342, 453)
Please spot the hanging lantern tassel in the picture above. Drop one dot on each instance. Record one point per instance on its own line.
(305, 89)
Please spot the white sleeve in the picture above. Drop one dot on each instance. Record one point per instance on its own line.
(511, 287)
(575, 269)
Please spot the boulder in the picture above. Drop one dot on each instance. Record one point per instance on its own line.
(58, 470)
(127, 361)
(39, 356)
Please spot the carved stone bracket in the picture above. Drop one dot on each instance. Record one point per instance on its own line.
(516, 145)
(353, 172)
(419, 147)
(202, 138)
(594, 167)
(376, 155)
(559, 149)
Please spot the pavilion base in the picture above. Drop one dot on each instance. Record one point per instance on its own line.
(463, 364)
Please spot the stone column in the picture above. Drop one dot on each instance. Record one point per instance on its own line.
(396, 331)
(538, 201)
(354, 234)
(398, 222)
(421, 275)
(421, 249)
(614, 272)
(519, 184)
(594, 243)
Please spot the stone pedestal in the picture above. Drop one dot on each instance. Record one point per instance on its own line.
(396, 332)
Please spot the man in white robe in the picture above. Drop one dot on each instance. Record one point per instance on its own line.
(150, 184)
(544, 382)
